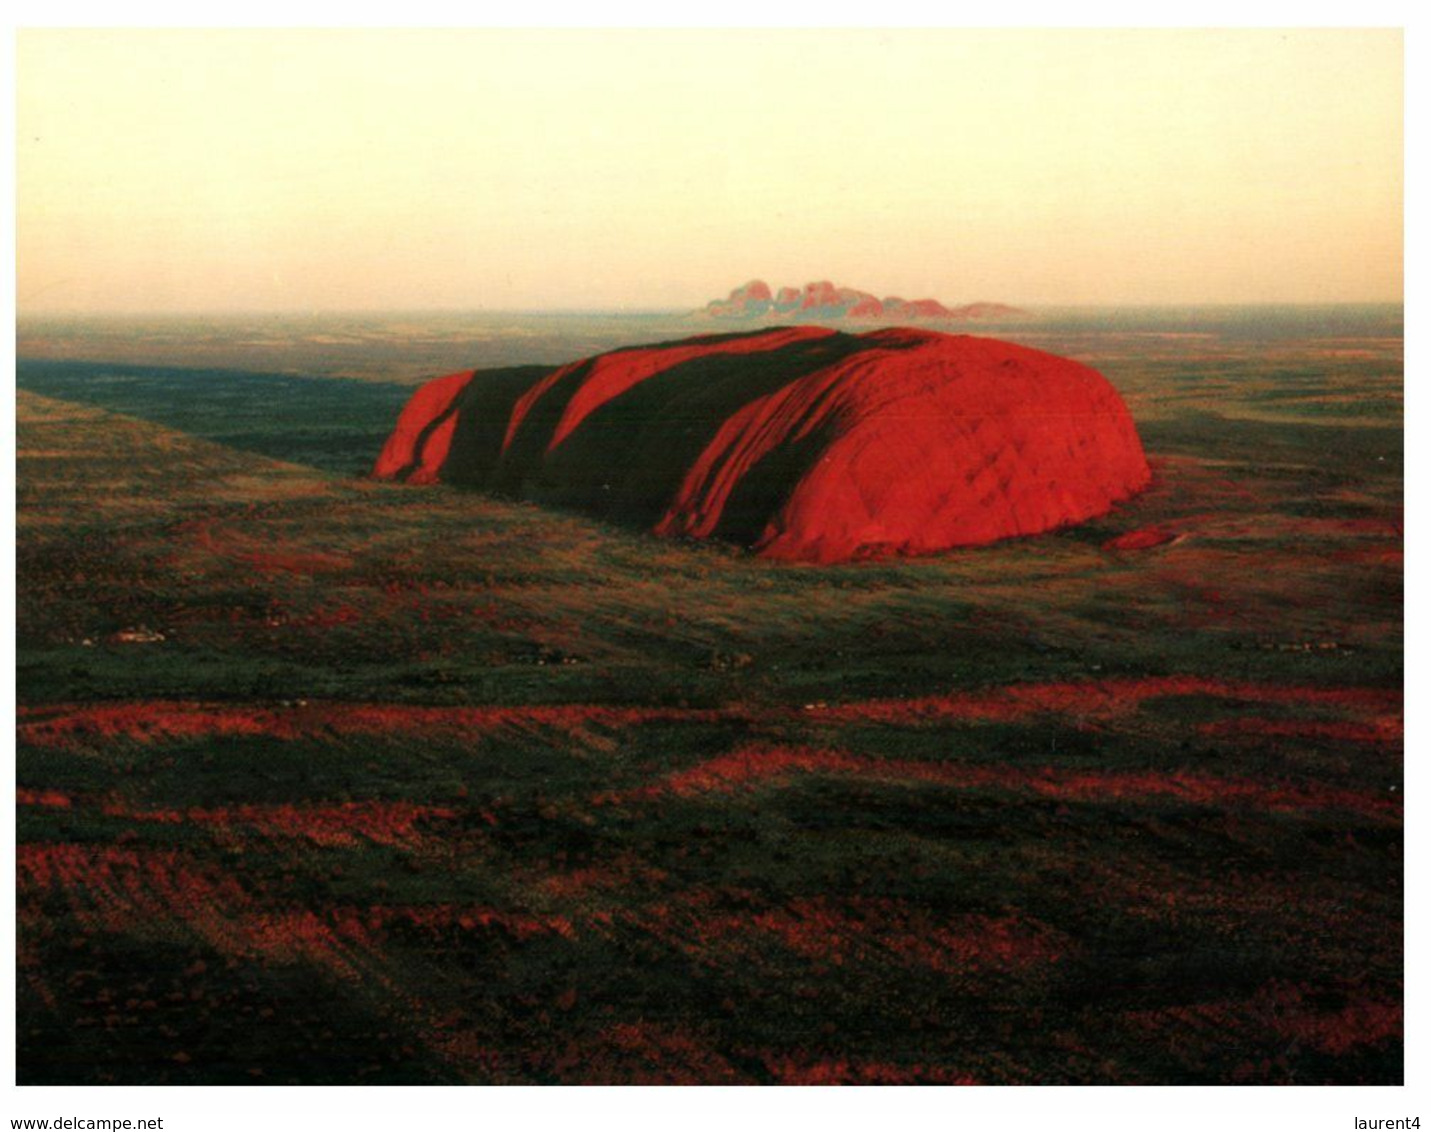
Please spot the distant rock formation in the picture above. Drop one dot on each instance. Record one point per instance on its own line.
(824, 302)
(803, 443)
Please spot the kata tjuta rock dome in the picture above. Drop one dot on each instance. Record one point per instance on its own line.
(803, 443)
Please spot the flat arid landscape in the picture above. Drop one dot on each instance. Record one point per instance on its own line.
(323, 779)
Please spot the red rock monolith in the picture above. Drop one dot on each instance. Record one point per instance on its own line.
(802, 443)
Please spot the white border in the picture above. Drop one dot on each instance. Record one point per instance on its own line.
(354, 1109)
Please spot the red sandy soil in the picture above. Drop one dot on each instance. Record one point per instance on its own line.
(150, 721)
(912, 443)
(267, 556)
(1145, 538)
(1284, 1010)
(60, 725)
(343, 824)
(824, 930)
(1100, 699)
(398, 823)
(789, 1071)
(113, 888)
(757, 765)
(1386, 729)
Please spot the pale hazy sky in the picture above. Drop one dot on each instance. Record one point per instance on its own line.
(294, 170)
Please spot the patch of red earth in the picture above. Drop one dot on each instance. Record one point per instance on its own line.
(788, 1070)
(856, 930)
(298, 562)
(154, 721)
(1285, 1012)
(1385, 730)
(420, 609)
(744, 765)
(1373, 528)
(146, 721)
(1100, 699)
(33, 929)
(442, 918)
(43, 866)
(1182, 899)
(821, 930)
(1360, 1022)
(1145, 538)
(445, 1035)
(266, 556)
(577, 884)
(1371, 556)
(328, 617)
(54, 799)
(1187, 477)
(1194, 1034)
(35, 980)
(754, 766)
(116, 889)
(301, 935)
(1370, 541)
(341, 825)
(645, 1053)
(121, 890)
(1205, 790)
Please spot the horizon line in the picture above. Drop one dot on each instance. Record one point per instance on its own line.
(203, 312)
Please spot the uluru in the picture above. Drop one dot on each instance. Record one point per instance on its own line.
(803, 443)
